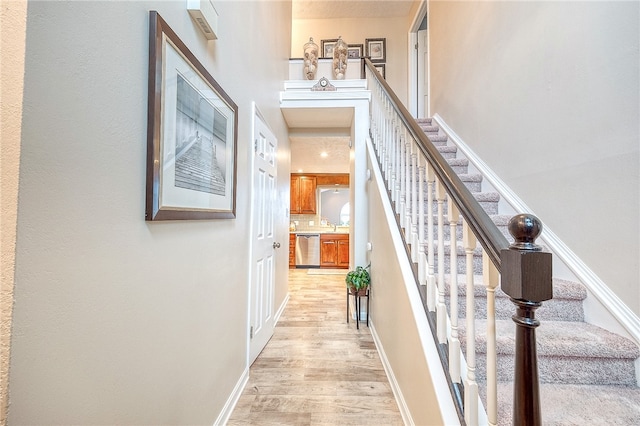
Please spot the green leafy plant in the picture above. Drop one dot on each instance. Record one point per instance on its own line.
(359, 278)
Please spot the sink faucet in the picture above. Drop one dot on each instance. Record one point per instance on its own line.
(334, 227)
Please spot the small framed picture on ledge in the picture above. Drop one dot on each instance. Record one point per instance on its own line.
(327, 47)
(355, 51)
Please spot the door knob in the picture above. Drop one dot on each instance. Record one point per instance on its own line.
(276, 245)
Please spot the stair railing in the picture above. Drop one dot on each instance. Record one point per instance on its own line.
(413, 168)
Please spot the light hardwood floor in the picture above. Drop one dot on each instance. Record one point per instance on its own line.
(317, 369)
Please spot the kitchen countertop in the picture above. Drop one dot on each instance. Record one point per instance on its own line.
(339, 231)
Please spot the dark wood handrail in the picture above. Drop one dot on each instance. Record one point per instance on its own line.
(487, 233)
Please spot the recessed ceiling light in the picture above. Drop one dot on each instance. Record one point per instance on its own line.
(324, 154)
(299, 170)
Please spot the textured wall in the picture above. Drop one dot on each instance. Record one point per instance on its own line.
(116, 320)
(12, 49)
(547, 93)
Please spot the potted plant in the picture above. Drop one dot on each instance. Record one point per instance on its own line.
(358, 280)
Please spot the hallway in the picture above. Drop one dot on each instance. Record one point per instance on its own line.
(317, 369)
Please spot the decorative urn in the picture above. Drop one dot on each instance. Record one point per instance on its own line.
(340, 59)
(310, 59)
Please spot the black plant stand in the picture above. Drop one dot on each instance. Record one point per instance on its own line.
(358, 296)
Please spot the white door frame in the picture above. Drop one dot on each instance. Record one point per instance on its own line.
(422, 11)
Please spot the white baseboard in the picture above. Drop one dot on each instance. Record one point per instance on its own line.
(223, 418)
(622, 320)
(280, 310)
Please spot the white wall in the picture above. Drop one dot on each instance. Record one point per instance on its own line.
(116, 320)
(355, 31)
(14, 21)
(547, 93)
(419, 378)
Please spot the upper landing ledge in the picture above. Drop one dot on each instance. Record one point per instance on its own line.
(340, 85)
(300, 90)
(297, 89)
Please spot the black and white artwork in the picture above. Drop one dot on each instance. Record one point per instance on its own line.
(200, 142)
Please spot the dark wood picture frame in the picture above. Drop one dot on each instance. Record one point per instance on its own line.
(326, 47)
(192, 124)
(355, 51)
(376, 49)
(381, 69)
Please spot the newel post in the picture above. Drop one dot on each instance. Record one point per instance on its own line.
(526, 278)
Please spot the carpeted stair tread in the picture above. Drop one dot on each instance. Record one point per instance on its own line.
(570, 404)
(562, 289)
(470, 177)
(458, 162)
(566, 304)
(424, 121)
(486, 196)
(437, 138)
(429, 128)
(446, 148)
(561, 338)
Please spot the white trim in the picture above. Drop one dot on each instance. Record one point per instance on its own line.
(624, 316)
(412, 73)
(280, 310)
(445, 402)
(233, 399)
(412, 59)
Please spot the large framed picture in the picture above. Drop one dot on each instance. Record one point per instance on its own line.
(327, 47)
(376, 49)
(192, 134)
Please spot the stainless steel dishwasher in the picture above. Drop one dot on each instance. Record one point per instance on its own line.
(307, 250)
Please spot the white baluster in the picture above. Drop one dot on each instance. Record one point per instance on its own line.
(414, 201)
(453, 216)
(407, 185)
(470, 385)
(422, 258)
(401, 198)
(393, 170)
(491, 279)
(441, 309)
(431, 278)
(393, 130)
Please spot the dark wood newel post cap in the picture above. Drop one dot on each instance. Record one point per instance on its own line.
(525, 268)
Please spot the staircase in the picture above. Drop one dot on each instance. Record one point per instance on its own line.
(587, 374)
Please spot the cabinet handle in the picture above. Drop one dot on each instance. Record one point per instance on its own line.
(276, 245)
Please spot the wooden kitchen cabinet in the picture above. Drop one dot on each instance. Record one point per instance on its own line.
(328, 179)
(343, 252)
(334, 250)
(292, 250)
(303, 194)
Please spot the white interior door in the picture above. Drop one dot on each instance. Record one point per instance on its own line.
(263, 244)
(423, 74)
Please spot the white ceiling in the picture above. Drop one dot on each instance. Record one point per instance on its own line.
(328, 9)
(313, 131)
(305, 154)
(316, 130)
